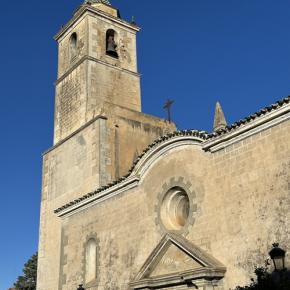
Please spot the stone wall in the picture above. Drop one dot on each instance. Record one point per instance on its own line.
(65, 59)
(238, 193)
(70, 103)
(125, 40)
(69, 170)
(113, 85)
(242, 202)
(129, 133)
(101, 151)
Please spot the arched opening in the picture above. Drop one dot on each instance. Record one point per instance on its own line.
(91, 261)
(73, 45)
(111, 46)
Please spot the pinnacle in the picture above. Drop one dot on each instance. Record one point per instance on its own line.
(107, 2)
(219, 118)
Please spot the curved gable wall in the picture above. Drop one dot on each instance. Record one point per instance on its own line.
(241, 194)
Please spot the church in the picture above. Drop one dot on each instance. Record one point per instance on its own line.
(128, 201)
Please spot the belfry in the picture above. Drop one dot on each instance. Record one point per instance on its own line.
(130, 202)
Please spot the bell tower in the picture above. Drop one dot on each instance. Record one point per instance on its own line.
(97, 64)
(99, 127)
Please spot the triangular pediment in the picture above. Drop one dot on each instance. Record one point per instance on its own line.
(175, 260)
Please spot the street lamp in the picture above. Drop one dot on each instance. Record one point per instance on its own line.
(278, 256)
(81, 287)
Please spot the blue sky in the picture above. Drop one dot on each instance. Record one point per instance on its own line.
(193, 51)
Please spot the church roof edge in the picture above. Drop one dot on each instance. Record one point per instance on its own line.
(194, 133)
(250, 118)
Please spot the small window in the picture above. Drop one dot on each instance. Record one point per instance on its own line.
(175, 209)
(91, 260)
(73, 45)
(111, 46)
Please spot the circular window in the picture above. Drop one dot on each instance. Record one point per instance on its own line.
(174, 211)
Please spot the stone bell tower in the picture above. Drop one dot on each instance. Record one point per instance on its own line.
(99, 128)
(97, 65)
(98, 82)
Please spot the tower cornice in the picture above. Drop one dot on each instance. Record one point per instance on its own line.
(106, 2)
(85, 58)
(88, 8)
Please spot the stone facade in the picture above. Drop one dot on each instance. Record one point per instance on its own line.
(163, 209)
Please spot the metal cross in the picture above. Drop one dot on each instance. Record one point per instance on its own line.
(167, 107)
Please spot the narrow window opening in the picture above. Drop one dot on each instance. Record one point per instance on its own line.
(91, 261)
(111, 46)
(73, 45)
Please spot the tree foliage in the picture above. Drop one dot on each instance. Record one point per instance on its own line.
(268, 281)
(28, 280)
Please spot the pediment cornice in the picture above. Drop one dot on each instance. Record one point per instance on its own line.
(200, 265)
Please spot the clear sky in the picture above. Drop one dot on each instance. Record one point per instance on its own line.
(193, 51)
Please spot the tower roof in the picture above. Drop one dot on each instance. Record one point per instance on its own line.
(107, 2)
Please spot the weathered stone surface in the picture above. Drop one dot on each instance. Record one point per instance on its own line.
(242, 194)
(236, 193)
(219, 118)
(91, 78)
(99, 130)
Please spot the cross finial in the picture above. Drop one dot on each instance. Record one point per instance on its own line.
(133, 20)
(167, 107)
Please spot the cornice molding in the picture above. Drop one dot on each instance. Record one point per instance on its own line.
(210, 268)
(248, 129)
(90, 58)
(94, 11)
(156, 152)
(159, 147)
(74, 133)
(128, 182)
(92, 198)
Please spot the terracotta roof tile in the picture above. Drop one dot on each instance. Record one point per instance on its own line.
(200, 134)
(250, 118)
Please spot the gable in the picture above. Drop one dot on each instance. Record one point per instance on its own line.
(177, 261)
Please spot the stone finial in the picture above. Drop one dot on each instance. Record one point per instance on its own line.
(219, 118)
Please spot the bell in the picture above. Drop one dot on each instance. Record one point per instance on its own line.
(111, 46)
